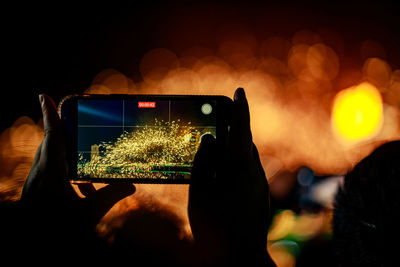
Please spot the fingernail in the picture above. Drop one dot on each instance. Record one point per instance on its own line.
(206, 140)
(239, 94)
(41, 99)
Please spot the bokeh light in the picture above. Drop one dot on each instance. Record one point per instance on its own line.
(282, 253)
(357, 113)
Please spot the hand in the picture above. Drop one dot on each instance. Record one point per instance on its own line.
(48, 191)
(229, 212)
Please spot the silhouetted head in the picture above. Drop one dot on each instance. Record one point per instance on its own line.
(366, 217)
(151, 235)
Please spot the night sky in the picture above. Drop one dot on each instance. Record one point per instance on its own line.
(58, 50)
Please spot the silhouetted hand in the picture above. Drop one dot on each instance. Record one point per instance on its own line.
(49, 196)
(229, 212)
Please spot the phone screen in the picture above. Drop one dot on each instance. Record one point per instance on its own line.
(130, 138)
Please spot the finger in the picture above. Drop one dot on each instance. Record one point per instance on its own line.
(203, 169)
(112, 193)
(37, 155)
(240, 133)
(257, 161)
(32, 173)
(53, 145)
(51, 120)
(86, 189)
(203, 175)
(263, 188)
(98, 203)
(201, 196)
(261, 182)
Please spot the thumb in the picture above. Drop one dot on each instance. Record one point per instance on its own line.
(53, 147)
(51, 120)
(203, 172)
(204, 162)
(240, 137)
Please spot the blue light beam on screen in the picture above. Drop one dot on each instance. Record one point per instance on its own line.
(98, 113)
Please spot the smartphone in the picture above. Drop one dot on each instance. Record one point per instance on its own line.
(140, 138)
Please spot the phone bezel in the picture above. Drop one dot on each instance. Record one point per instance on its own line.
(69, 114)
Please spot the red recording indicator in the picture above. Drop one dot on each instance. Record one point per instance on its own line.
(146, 104)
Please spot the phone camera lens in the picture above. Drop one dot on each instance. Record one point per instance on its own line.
(206, 109)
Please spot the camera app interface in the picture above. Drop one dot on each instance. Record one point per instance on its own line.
(141, 139)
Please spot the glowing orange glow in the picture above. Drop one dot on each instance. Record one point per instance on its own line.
(377, 72)
(322, 62)
(281, 256)
(18, 144)
(301, 227)
(282, 225)
(371, 48)
(357, 113)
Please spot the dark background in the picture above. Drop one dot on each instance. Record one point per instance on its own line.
(58, 50)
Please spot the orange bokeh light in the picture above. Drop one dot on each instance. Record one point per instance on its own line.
(357, 113)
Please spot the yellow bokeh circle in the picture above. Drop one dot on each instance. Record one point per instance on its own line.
(357, 113)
